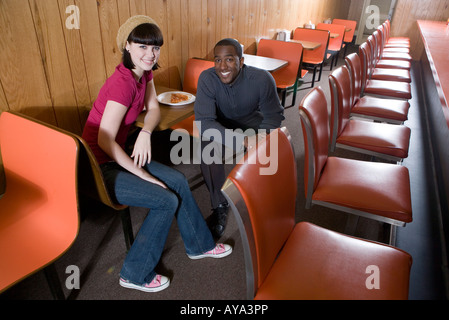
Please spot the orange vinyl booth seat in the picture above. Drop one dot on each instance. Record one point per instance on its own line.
(288, 261)
(192, 72)
(391, 89)
(384, 110)
(313, 58)
(389, 74)
(379, 191)
(286, 78)
(39, 218)
(393, 62)
(382, 140)
(335, 44)
(395, 41)
(391, 47)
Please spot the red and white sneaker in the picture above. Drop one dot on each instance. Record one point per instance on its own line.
(158, 283)
(220, 251)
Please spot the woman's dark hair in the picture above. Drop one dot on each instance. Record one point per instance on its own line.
(146, 33)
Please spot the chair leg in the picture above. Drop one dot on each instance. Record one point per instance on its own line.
(313, 76)
(53, 282)
(127, 228)
(283, 97)
(295, 89)
(392, 239)
(321, 71)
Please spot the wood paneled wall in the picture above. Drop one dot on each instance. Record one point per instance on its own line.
(54, 73)
(407, 12)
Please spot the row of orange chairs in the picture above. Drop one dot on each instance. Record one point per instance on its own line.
(288, 260)
(285, 260)
(385, 136)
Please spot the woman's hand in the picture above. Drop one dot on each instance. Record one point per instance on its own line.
(142, 149)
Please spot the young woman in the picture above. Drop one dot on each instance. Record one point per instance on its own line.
(136, 180)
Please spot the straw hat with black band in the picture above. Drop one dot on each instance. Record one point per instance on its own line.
(128, 26)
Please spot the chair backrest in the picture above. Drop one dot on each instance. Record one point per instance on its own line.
(336, 43)
(192, 72)
(315, 127)
(39, 218)
(378, 43)
(387, 26)
(283, 50)
(349, 24)
(355, 69)
(315, 56)
(264, 204)
(365, 62)
(91, 181)
(340, 87)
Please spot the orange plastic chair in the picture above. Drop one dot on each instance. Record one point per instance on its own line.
(335, 44)
(381, 140)
(350, 25)
(289, 261)
(391, 89)
(313, 58)
(192, 72)
(39, 218)
(288, 77)
(375, 190)
(384, 110)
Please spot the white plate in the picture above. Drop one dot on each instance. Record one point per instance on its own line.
(166, 97)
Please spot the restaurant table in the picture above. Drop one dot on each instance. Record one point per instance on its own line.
(266, 63)
(307, 45)
(170, 115)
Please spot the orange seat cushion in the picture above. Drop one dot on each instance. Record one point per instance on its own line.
(317, 263)
(378, 188)
(395, 89)
(401, 75)
(382, 108)
(378, 137)
(393, 64)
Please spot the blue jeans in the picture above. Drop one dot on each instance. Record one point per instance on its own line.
(164, 204)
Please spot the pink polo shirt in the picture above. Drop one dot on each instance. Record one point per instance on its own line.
(120, 87)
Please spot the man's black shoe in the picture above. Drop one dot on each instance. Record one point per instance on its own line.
(218, 220)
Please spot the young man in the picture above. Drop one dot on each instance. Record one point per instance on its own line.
(232, 95)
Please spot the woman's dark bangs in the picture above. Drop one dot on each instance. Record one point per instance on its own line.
(148, 34)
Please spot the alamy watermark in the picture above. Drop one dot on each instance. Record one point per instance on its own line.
(73, 20)
(373, 17)
(373, 280)
(73, 280)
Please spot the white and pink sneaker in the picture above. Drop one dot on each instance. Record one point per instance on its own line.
(220, 251)
(158, 283)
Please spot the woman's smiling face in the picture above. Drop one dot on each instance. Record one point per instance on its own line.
(143, 56)
(227, 63)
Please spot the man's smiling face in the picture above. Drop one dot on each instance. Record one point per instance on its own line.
(227, 63)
